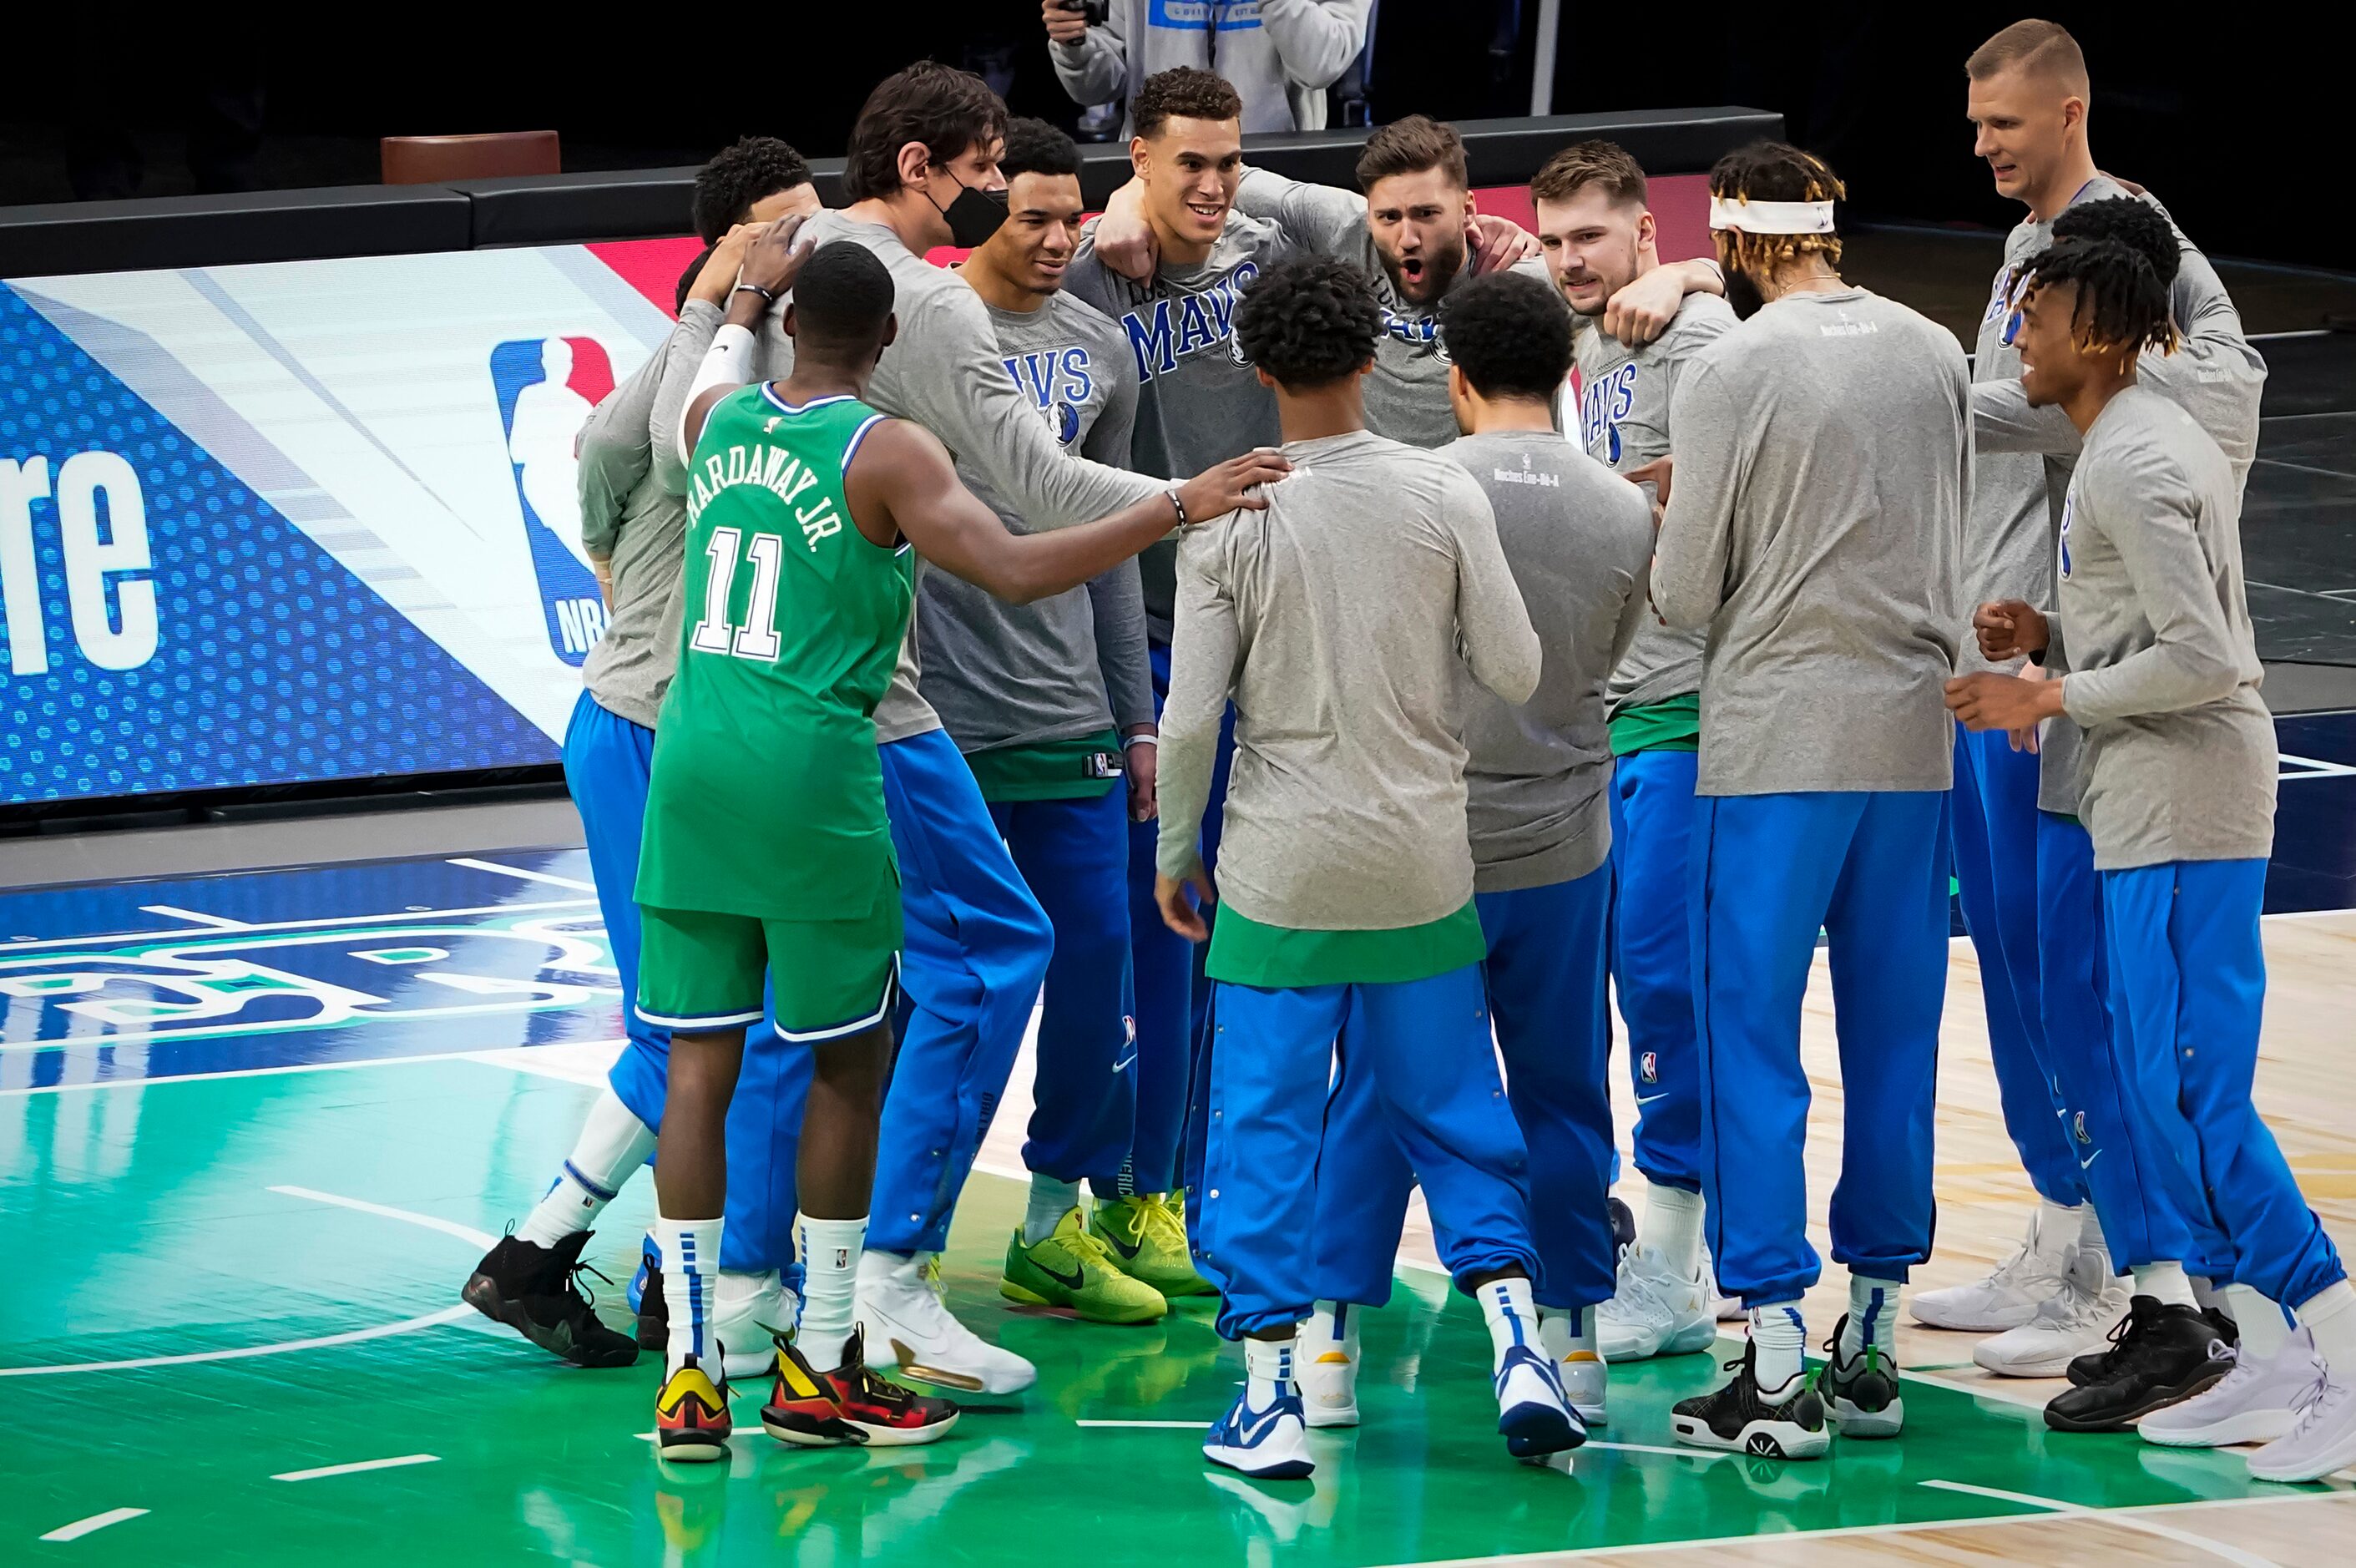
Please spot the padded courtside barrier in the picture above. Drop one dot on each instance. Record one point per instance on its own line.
(547, 209)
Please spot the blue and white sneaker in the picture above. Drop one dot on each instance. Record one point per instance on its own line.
(1267, 1445)
(1532, 1410)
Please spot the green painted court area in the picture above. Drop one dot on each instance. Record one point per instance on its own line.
(183, 1218)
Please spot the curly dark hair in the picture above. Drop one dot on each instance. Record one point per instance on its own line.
(1183, 92)
(1509, 333)
(739, 175)
(2122, 306)
(947, 109)
(1309, 321)
(1776, 171)
(2138, 225)
(1033, 146)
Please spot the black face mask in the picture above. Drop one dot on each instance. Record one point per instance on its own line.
(1744, 295)
(974, 216)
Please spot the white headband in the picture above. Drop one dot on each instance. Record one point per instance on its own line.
(1771, 217)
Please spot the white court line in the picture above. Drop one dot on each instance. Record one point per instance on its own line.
(357, 1336)
(325, 1470)
(2148, 1527)
(1172, 1425)
(172, 911)
(96, 1521)
(115, 939)
(496, 869)
(448, 1315)
(467, 1233)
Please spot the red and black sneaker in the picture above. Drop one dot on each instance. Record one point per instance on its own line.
(802, 1409)
(692, 1421)
(888, 1414)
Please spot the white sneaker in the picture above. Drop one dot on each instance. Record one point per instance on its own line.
(2076, 1319)
(1653, 1312)
(1327, 1367)
(745, 1308)
(2010, 1295)
(1583, 1373)
(1269, 1445)
(2321, 1441)
(2258, 1402)
(1725, 1309)
(1533, 1416)
(911, 1332)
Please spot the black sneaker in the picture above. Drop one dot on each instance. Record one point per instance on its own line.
(1740, 1419)
(534, 1290)
(2094, 1366)
(2162, 1354)
(1623, 1227)
(654, 1309)
(1861, 1395)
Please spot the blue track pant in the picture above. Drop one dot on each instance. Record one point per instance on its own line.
(2188, 987)
(1075, 856)
(607, 761)
(1994, 831)
(1871, 870)
(1652, 958)
(1544, 979)
(2074, 968)
(1172, 995)
(978, 946)
(1424, 1045)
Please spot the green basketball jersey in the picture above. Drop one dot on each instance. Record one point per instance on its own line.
(767, 798)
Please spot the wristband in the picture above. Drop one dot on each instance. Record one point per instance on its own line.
(1153, 740)
(1177, 504)
(755, 289)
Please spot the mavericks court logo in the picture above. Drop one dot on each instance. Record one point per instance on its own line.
(546, 387)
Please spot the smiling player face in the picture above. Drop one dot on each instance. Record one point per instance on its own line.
(1593, 246)
(2052, 367)
(1042, 230)
(1191, 168)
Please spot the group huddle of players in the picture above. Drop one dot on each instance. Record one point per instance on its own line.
(1323, 698)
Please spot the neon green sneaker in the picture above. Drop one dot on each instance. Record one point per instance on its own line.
(1072, 1268)
(1148, 1240)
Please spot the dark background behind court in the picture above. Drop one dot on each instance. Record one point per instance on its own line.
(2235, 116)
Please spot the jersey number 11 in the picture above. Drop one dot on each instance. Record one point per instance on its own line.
(757, 638)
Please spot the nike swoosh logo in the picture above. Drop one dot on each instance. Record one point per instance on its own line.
(1259, 1429)
(2088, 1163)
(1648, 1098)
(1117, 1245)
(1071, 1280)
(1125, 1063)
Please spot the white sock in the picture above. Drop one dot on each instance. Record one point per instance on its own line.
(2263, 1327)
(1672, 1227)
(1511, 1318)
(2090, 1232)
(2165, 1282)
(690, 1262)
(2330, 1315)
(1781, 1337)
(2059, 1224)
(613, 1144)
(1050, 1201)
(829, 1249)
(1566, 1335)
(737, 1288)
(1336, 1321)
(1872, 1316)
(1268, 1372)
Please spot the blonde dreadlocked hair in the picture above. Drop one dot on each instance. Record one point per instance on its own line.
(1774, 171)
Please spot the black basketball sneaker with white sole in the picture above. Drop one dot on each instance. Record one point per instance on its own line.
(1860, 1394)
(2095, 1365)
(1741, 1419)
(536, 1291)
(2164, 1353)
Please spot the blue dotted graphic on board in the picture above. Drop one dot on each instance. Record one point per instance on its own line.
(166, 628)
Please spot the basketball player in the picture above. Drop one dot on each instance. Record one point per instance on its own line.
(634, 516)
(922, 172)
(1537, 782)
(1602, 246)
(1335, 625)
(1196, 396)
(1029, 693)
(2057, 1298)
(1830, 601)
(768, 849)
(2179, 786)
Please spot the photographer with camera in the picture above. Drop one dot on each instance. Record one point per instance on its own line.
(1280, 55)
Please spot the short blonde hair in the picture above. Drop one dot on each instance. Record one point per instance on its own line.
(2045, 49)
